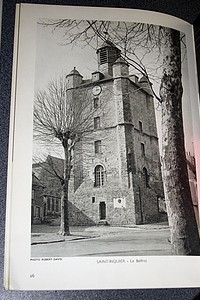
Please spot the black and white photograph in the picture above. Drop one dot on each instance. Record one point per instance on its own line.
(113, 169)
(103, 164)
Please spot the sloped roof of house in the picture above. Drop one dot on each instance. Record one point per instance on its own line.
(50, 174)
(53, 162)
(36, 181)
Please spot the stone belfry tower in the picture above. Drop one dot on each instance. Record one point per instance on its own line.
(118, 178)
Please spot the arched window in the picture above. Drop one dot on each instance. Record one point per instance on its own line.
(99, 176)
(146, 177)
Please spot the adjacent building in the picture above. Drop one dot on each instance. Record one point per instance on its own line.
(191, 166)
(46, 190)
(36, 200)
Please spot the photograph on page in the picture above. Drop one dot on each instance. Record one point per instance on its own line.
(113, 163)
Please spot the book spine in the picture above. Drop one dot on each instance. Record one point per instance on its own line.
(10, 151)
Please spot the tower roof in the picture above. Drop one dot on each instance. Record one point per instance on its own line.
(107, 43)
(74, 72)
(120, 60)
(146, 85)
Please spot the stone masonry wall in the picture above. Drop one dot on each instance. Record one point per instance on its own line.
(127, 120)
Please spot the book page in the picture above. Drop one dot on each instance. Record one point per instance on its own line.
(89, 130)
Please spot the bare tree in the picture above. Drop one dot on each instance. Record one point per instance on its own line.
(63, 116)
(137, 41)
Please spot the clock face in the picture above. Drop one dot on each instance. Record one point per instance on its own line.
(96, 90)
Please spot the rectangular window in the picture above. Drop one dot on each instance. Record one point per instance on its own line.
(140, 127)
(97, 146)
(96, 102)
(37, 212)
(148, 101)
(48, 203)
(97, 123)
(52, 204)
(32, 211)
(93, 199)
(57, 206)
(33, 194)
(142, 149)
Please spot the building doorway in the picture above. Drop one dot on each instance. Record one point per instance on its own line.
(102, 210)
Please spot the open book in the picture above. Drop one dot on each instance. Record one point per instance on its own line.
(103, 151)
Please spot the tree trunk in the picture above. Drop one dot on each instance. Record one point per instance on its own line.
(64, 222)
(182, 222)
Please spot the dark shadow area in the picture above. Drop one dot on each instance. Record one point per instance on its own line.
(78, 218)
(197, 45)
(197, 297)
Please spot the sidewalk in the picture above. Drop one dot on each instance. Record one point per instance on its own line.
(156, 226)
(41, 234)
(48, 238)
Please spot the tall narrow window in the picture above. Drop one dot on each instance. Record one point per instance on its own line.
(140, 127)
(97, 146)
(146, 177)
(48, 203)
(57, 206)
(99, 175)
(103, 56)
(37, 213)
(52, 204)
(96, 102)
(148, 100)
(97, 123)
(142, 149)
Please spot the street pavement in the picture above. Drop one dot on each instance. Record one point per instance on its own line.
(101, 241)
